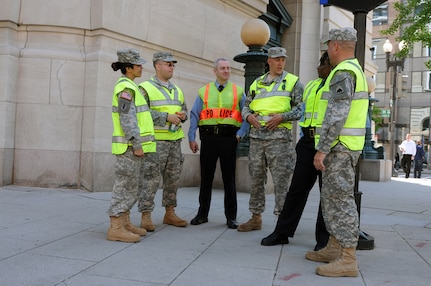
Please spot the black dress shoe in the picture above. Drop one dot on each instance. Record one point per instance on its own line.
(274, 239)
(232, 223)
(199, 220)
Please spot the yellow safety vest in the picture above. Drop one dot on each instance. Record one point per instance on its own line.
(272, 99)
(220, 107)
(311, 100)
(163, 100)
(145, 123)
(352, 135)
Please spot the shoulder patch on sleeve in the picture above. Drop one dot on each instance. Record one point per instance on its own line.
(341, 86)
(126, 95)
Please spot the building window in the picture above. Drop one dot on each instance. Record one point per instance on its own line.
(278, 19)
(373, 51)
(427, 51)
(420, 6)
(380, 15)
(427, 85)
(417, 81)
(426, 124)
(380, 82)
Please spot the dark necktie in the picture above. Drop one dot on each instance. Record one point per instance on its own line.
(220, 88)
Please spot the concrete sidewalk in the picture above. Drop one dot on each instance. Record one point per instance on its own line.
(58, 237)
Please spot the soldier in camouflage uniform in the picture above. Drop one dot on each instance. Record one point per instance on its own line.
(305, 174)
(273, 102)
(168, 110)
(133, 144)
(340, 138)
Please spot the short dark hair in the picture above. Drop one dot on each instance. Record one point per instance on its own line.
(324, 57)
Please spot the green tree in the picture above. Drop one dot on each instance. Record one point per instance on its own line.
(414, 22)
(376, 116)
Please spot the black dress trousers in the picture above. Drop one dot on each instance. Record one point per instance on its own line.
(304, 177)
(214, 147)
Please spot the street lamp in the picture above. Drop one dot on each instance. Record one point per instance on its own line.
(396, 64)
(255, 34)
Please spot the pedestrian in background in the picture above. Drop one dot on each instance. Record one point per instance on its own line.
(419, 160)
(408, 149)
(168, 110)
(217, 113)
(305, 174)
(341, 123)
(397, 163)
(132, 143)
(273, 103)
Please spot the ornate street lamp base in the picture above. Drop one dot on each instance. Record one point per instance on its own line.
(365, 241)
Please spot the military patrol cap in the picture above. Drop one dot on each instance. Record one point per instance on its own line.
(277, 52)
(343, 35)
(163, 56)
(130, 56)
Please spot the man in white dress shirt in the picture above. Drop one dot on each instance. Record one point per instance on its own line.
(408, 148)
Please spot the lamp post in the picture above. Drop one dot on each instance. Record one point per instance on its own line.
(369, 152)
(396, 65)
(365, 241)
(254, 34)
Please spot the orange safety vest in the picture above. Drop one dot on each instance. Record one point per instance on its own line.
(223, 110)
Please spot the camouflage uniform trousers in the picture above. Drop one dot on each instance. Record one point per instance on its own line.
(170, 160)
(129, 181)
(337, 195)
(280, 157)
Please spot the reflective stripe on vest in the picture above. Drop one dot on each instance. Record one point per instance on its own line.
(141, 108)
(352, 136)
(163, 100)
(274, 98)
(219, 107)
(142, 139)
(143, 116)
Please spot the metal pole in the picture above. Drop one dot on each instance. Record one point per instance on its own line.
(254, 59)
(394, 88)
(392, 130)
(360, 24)
(394, 110)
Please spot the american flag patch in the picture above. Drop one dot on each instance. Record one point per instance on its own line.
(125, 95)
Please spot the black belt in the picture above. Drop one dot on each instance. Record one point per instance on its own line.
(407, 155)
(309, 132)
(222, 130)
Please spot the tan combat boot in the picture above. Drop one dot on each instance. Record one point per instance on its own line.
(146, 221)
(345, 266)
(255, 223)
(130, 227)
(330, 252)
(117, 232)
(172, 219)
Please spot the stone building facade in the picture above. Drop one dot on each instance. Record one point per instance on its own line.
(56, 81)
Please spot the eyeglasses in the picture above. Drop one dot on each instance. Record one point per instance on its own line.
(171, 65)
